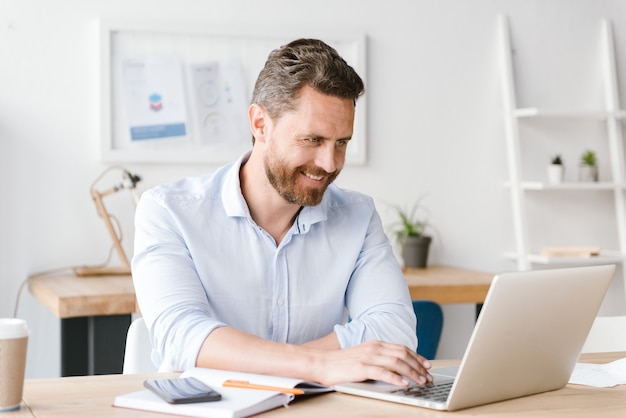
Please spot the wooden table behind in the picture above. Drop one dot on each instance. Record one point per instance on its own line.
(444, 284)
(94, 309)
(69, 296)
(95, 313)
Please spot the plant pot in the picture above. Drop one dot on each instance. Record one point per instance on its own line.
(556, 173)
(415, 251)
(587, 173)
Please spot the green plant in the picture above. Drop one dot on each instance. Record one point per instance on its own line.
(588, 158)
(409, 224)
(557, 160)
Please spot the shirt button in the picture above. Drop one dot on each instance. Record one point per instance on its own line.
(279, 302)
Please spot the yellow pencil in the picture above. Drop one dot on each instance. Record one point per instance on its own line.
(244, 384)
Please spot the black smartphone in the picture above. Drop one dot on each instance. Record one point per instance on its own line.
(182, 390)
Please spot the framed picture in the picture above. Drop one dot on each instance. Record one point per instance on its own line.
(179, 93)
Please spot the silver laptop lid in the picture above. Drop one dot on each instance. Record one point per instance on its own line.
(529, 334)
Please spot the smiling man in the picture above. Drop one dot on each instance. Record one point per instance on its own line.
(255, 267)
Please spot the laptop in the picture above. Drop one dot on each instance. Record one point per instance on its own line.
(527, 340)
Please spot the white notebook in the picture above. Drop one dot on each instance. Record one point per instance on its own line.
(235, 402)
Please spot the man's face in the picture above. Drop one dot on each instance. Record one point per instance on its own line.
(307, 147)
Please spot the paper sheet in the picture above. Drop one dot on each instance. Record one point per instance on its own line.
(600, 375)
(154, 98)
(221, 102)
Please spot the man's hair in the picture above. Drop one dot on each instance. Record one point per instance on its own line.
(304, 62)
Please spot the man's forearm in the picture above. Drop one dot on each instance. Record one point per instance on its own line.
(231, 349)
(329, 342)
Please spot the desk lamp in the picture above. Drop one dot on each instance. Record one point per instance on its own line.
(129, 182)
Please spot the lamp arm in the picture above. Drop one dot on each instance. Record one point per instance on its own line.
(97, 197)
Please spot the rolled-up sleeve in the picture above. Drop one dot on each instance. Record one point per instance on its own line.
(377, 297)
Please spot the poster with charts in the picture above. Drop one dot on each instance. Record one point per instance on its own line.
(154, 98)
(220, 102)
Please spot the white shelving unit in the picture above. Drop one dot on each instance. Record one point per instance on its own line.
(610, 115)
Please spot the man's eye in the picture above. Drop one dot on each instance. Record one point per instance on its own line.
(313, 139)
(342, 142)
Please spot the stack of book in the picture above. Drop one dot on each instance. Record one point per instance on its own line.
(570, 251)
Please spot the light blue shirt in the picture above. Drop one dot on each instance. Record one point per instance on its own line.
(201, 263)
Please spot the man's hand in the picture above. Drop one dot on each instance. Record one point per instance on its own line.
(391, 363)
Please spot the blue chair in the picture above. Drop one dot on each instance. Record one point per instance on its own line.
(429, 326)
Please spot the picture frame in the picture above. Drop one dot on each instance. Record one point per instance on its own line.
(190, 44)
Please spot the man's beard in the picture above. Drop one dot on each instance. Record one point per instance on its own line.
(284, 181)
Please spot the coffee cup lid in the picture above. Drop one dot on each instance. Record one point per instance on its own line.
(13, 328)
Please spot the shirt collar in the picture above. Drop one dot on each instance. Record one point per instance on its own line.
(310, 215)
(232, 198)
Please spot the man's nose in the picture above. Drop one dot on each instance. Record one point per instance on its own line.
(326, 157)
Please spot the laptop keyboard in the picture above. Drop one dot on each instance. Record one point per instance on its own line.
(436, 392)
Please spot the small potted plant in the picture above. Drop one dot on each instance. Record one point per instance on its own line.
(410, 230)
(556, 171)
(588, 169)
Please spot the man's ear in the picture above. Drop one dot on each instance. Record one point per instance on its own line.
(258, 117)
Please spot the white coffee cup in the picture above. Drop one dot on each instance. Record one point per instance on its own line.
(13, 344)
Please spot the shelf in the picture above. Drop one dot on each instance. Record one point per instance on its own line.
(533, 112)
(605, 257)
(567, 186)
(610, 115)
(620, 114)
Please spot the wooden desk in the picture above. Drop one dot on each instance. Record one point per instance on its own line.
(444, 284)
(95, 314)
(93, 395)
(95, 311)
(68, 296)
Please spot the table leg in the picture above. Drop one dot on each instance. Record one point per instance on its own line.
(93, 345)
(479, 307)
(74, 346)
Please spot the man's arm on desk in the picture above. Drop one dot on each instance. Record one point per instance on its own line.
(321, 360)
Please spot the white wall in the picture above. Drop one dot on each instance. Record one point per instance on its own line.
(435, 124)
